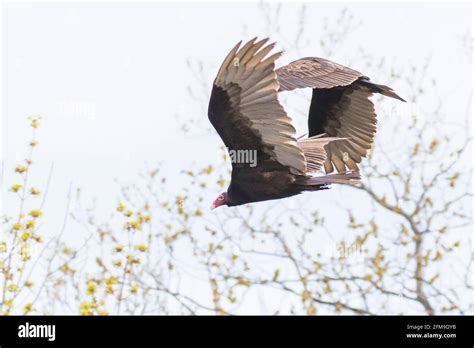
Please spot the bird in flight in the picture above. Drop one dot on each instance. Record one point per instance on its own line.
(245, 111)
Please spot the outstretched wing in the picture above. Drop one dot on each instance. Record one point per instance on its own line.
(343, 112)
(315, 72)
(245, 111)
(340, 107)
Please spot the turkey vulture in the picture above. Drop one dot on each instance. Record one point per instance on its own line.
(245, 111)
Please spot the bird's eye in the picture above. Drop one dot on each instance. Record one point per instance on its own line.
(220, 198)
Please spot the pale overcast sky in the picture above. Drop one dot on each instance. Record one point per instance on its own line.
(110, 78)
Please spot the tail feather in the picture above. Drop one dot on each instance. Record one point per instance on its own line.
(314, 151)
(315, 182)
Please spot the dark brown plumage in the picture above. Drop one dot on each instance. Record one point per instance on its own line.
(245, 111)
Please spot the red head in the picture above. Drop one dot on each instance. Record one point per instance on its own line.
(221, 200)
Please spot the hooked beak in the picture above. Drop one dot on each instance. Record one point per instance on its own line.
(213, 207)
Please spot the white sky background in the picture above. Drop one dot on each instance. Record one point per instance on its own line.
(109, 79)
